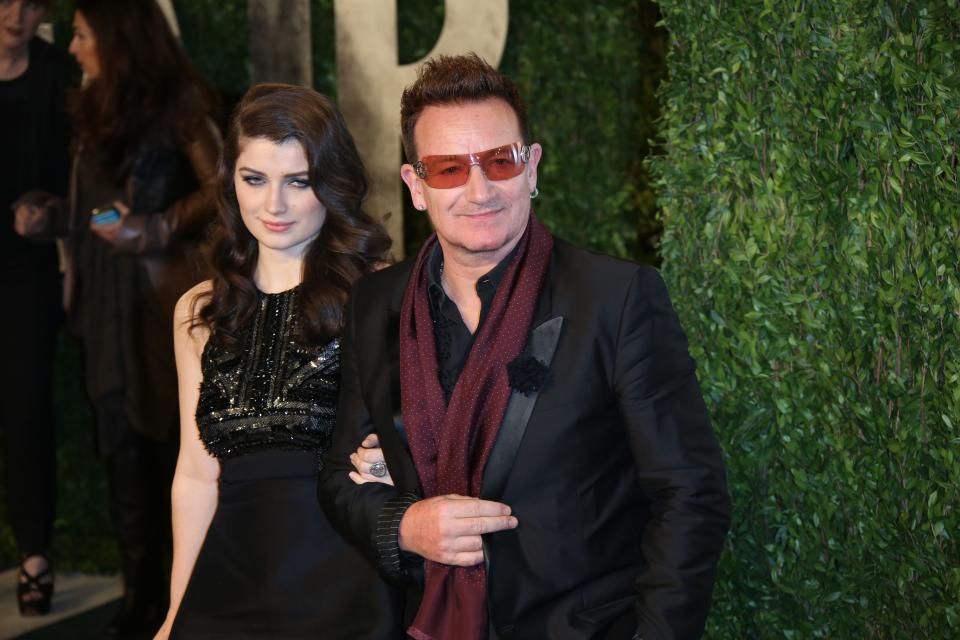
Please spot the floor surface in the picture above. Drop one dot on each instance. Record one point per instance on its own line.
(83, 606)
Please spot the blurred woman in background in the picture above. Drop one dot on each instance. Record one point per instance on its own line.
(142, 191)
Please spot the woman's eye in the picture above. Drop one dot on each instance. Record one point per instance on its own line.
(253, 181)
(300, 183)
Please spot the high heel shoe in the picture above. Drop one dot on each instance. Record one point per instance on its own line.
(34, 593)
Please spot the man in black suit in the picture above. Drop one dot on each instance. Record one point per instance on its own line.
(555, 472)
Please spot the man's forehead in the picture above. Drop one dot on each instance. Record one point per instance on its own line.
(466, 127)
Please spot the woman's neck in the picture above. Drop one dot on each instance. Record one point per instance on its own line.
(277, 271)
(13, 62)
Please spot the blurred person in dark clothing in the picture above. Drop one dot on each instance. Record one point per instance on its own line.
(142, 194)
(33, 127)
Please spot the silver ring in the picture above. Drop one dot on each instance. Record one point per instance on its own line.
(378, 469)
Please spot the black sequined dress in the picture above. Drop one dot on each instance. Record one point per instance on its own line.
(271, 566)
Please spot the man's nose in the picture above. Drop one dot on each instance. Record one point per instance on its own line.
(478, 186)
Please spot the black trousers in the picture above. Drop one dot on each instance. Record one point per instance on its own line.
(28, 340)
(139, 477)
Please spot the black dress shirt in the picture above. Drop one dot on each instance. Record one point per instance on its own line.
(452, 338)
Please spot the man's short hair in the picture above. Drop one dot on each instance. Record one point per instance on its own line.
(456, 79)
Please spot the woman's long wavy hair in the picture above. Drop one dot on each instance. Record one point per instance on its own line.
(349, 244)
(146, 85)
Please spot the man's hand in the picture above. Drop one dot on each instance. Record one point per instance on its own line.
(447, 529)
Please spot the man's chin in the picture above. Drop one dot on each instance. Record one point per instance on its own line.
(491, 248)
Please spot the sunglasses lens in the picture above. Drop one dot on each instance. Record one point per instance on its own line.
(504, 163)
(448, 172)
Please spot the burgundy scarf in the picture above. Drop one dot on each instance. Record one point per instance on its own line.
(451, 444)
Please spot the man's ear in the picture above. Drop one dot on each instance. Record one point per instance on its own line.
(536, 152)
(415, 186)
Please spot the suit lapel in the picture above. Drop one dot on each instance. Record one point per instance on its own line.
(542, 345)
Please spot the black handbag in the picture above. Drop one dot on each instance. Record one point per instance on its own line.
(159, 177)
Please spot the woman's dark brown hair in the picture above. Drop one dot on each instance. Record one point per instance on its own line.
(349, 244)
(146, 85)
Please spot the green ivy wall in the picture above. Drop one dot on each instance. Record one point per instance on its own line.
(812, 231)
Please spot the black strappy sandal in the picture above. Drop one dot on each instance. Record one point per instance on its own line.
(34, 596)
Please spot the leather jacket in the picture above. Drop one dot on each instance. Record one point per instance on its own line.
(126, 320)
(164, 230)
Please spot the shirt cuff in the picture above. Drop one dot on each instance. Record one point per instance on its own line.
(387, 536)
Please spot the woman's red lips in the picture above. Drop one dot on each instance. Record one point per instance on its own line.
(276, 226)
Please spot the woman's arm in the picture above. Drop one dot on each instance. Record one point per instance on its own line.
(194, 491)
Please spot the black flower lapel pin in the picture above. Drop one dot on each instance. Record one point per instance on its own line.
(527, 375)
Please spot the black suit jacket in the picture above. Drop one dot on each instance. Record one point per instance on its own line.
(611, 468)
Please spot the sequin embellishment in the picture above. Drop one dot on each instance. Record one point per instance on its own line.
(271, 392)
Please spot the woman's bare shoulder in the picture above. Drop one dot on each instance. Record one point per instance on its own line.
(186, 313)
(186, 305)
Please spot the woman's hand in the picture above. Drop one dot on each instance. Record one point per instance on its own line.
(29, 218)
(39, 216)
(110, 230)
(368, 454)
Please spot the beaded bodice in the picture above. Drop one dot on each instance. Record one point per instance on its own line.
(269, 392)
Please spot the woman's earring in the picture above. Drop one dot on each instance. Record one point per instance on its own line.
(534, 193)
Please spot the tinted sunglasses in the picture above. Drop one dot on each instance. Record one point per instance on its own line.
(447, 172)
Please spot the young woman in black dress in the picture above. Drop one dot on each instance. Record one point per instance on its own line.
(258, 361)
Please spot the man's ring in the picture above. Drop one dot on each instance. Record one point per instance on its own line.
(378, 469)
